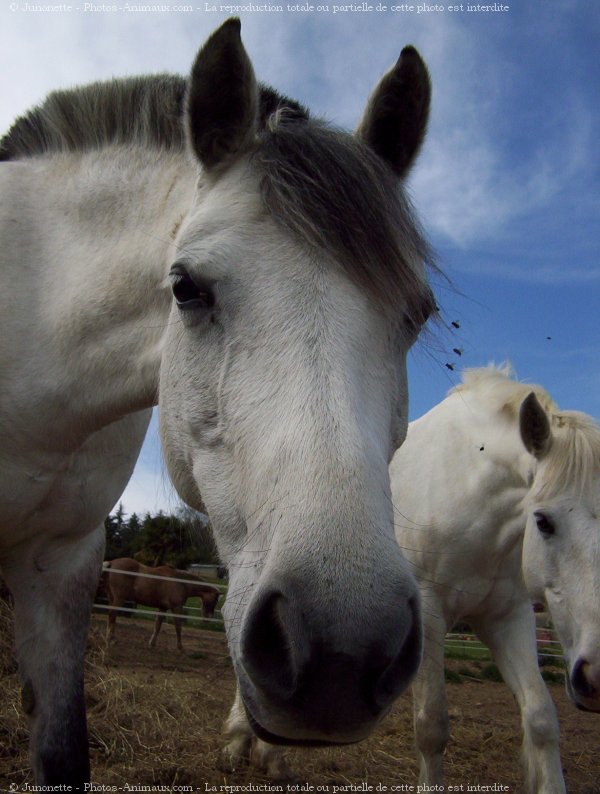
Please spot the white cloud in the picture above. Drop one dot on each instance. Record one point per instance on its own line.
(39, 52)
(149, 489)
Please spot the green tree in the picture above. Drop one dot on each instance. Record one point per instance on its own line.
(121, 534)
(158, 539)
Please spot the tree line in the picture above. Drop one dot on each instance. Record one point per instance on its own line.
(160, 539)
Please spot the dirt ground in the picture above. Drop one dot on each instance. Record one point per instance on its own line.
(155, 717)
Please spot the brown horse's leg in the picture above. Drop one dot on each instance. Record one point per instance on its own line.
(112, 619)
(157, 624)
(177, 611)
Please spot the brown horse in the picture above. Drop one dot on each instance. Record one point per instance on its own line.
(163, 594)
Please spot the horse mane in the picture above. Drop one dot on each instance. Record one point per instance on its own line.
(142, 110)
(324, 185)
(497, 387)
(146, 111)
(574, 455)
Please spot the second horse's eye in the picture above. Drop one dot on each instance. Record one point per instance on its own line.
(190, 295)
(545, 526)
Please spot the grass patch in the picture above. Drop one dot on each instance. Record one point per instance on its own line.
(452, 677)
(550, 658)
(553, 678)
(192, 613)
(468, 651)
(491, 673)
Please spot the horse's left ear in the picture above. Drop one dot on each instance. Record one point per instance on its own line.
(222, 98)
(535, 427)
(395, 120)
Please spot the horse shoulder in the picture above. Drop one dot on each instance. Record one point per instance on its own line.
(69, 492)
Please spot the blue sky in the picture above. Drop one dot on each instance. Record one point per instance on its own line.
(506, 185)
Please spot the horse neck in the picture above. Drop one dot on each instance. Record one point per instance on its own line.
(107, 225)
(464, 469)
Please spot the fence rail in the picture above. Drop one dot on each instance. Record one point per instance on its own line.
(108, 570)
(469, 646)
(463, 644)
(146, 613)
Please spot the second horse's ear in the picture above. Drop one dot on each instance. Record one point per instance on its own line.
(534, 426)
(395, 120)
(222, 98)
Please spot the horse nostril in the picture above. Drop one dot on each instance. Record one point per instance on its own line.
(579, 679)
(269, 648)
(403, 667)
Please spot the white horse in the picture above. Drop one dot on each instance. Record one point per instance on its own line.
(266, 270)
(497, 496)
(497, 499)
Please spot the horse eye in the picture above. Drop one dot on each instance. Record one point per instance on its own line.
(190, 295)
(545, 526)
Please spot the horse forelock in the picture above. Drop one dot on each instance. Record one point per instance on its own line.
(328, 188)
(573, 459)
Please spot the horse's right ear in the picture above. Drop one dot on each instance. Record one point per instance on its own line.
(395, 120)
(222, 98)
(536, 432)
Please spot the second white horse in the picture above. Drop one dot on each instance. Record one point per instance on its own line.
(497, 496)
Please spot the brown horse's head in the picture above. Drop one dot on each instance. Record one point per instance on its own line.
(209, 602)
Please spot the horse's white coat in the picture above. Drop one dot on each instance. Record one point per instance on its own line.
(283, 405)
(464, 487)
(84, 307)
(84, 310)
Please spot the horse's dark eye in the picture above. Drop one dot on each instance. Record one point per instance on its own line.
(190, 295)
(545, 526)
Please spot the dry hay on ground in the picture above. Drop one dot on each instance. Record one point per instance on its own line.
(155, 718)
(13, 731)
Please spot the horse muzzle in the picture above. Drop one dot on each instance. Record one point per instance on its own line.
(302, 685)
